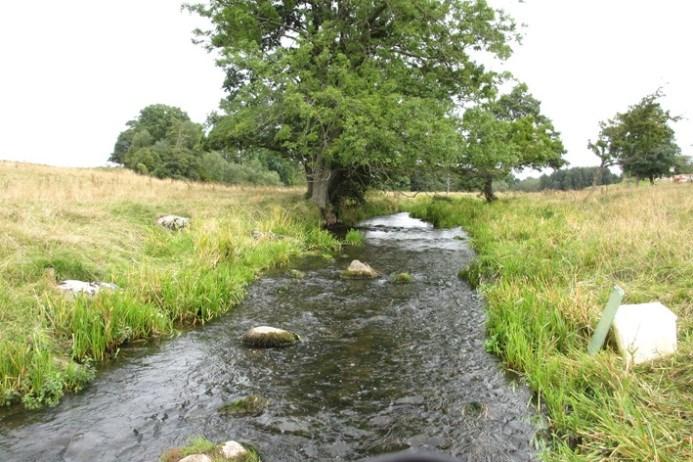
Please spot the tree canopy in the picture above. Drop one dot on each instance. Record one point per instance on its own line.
(640, 140)
(353, 90)
(508, 133)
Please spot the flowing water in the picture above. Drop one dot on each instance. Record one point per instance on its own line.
(382, 367)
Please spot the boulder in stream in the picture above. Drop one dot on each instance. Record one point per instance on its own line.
(75, 287)
(269, 337)
(359, 270)
(173, 222)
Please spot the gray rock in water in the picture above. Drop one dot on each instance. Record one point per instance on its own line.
(269, 337)
(359, 270)
(72, 286)
(173, 222)
(196, 458)
(234, 451)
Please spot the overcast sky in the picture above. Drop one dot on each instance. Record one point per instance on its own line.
(73, 72)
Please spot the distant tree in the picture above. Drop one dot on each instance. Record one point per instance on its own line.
(604, 150)
(577, 178)
(506, 134)
(641, 139)
(157, 120)
(683, 164)
(356, 91)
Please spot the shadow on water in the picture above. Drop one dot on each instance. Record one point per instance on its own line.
(382, 367)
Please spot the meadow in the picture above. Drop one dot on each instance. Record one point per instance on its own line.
(546, 265)
(99, 225)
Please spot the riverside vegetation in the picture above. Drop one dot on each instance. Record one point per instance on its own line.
(89, 224)
(546, 264)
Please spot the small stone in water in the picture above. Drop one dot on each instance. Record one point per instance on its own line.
(269, 337)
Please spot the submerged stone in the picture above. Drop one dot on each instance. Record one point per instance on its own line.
(269, 337)
(359, 270)
(250, 406)
(173, 222)
(234, 451)
(297, 274)
(75, 287)
(645, 332)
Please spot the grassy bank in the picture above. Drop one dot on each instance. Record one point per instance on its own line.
(87, 224)
(546, 265)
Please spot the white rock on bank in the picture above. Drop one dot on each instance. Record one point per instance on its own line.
(196, 458)
(73, 286)
(173, 222)
(645, 332)
(233, 450)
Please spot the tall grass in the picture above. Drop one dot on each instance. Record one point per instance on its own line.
(546, 265)
(93, 224)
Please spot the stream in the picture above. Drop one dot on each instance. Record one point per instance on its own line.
(382, 367)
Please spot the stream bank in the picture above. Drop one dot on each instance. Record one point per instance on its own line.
(381, 367)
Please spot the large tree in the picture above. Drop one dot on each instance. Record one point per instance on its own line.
(641, 139)
(352, 89)
(506, 134)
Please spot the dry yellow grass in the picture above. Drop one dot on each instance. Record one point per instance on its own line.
(98, 224)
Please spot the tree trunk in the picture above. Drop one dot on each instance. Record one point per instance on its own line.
(309, 182)
(319, 187)
(488, 189)
(652, 178)
(597, 176)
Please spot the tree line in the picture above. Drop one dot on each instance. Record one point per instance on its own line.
(162, 141)
(355, 94)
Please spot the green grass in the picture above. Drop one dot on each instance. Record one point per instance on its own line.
(85, 224)
(201, 445)
(402, 278)
(354, 237)
(546, 264)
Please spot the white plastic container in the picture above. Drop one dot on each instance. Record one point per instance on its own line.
(645, 332)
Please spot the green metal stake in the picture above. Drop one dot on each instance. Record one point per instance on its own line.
(606, 320)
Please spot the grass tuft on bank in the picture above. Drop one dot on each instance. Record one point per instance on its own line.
(546, 264)
(99, 224)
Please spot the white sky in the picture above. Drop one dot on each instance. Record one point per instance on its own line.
(73, 72)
